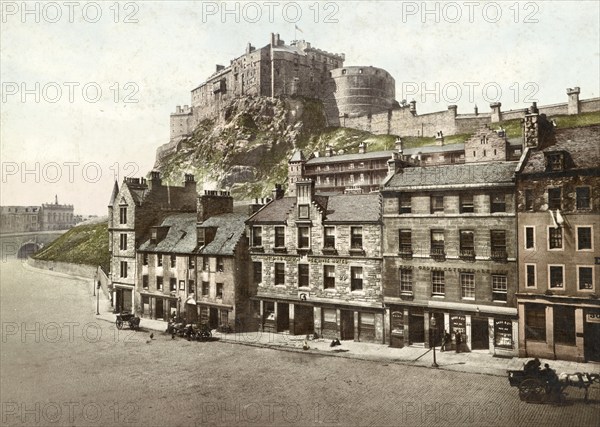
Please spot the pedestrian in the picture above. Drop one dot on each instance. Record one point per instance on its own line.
(458, 339)
(446, 340)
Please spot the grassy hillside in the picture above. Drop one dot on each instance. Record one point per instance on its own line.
(84, 244)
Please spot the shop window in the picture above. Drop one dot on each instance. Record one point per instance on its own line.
(303, 237)
(585, 278)
(529, 237)
(406, 280)
(467, 285)
(303, 275)
(257, 272)
(564, 325)
(530, 281)
(405, 203)
(438, 285)
(123, 269)
(257, 236)
(356, 239)
(466, 203)
(584, 238)
(498, 203)
(528, 200)
(279, 273)
(145, 281)
(219, 290)
(159, 283)
(437, 204)
(583, 197)
(535, 322)
(329, 276)
(556, 276)
(555, 238)
(503, 333)
(329, 237)
(499, 287)
(205, 288)
(356, 274)
(329, 315)
(173, 284)
(554, 198)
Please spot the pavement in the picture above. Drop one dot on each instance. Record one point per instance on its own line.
(477, 361)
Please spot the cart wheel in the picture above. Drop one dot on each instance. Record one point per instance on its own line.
(119, 323)
(532, 390)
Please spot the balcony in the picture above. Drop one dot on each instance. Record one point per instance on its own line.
(437, 253)
(467, 254)
(499, 255)
(405, 251)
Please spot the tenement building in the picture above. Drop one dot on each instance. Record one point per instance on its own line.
(449, 254)
(558, 205)
(316, 264)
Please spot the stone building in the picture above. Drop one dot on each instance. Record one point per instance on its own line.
(316, 264)
(19, 219)
(133, 209)
(558, 205)
(449, 254)
(55, 216)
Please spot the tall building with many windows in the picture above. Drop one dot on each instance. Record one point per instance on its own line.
(558, 205)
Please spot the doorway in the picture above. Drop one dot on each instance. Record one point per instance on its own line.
(304, 322)
(213, 318)
(160, 309)
(416, 328)
(283, 317)
(347, 319)
(480, 337)
(591, 342)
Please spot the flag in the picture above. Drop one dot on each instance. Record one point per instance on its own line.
(298, 29)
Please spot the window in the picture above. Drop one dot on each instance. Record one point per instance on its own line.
(356, 238)
(329, 237)
(406, 280)
(556, 276)
(303, 211)
(498, 244)
(555, 240)
(191, 262)
(554, 161)
(303, 277)
(528, 200)
(437, 204)
(437, 242)
(583, 197)
(201, 237)
(499, 287)
(529, 237)
(182, 285)
(123, 269)
(530, 276)
(498, 203)
(145, 259)
(405, 242)
(585, 278)
(159, 260)
(205, 263)
(467, 285)
(437, 283)
(256, 236)
(329, 315)
(220, 264)
(123, 242)
(329, 276)
(405, 204)
(279, 237)
(173, 261)
(584, 238)
(145, 281)
(191, 287)
(535, 322)
(159, 283)
(257, 272)
(554, 198)
(173, 284)
(467, 244)
(466, 203)
(564, 324)
(122, 215)
(303, 237)
(356, 274)
(219, 290)
(205, 288)
(279, 273)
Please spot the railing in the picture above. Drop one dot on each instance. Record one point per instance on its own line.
(405, 251)
(438, 253)
(499, 255)
(468, 254)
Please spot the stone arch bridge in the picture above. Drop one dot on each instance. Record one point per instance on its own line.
(22, 245)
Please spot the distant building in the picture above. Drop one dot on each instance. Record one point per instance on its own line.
(48, 216)
(56, 216)
(558, 204)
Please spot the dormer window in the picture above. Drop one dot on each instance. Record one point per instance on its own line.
(201, 237)
(555, 161)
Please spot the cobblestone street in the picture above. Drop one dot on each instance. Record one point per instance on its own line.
(63, 366)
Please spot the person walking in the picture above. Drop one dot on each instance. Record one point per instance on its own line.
(446, 340)
(458, 339)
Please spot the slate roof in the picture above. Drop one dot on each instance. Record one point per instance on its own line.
(181, 237)
(230, 228)
(582, 145)
(449, 176)
(298, 156)
(114, 194)
(352, 208)
(427, 149)
(351, 157)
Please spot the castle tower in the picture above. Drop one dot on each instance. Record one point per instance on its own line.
(295, 171)
(573, 105)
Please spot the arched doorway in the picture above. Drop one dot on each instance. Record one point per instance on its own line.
(27, 249)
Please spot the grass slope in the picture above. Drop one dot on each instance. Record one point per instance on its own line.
(84, 244)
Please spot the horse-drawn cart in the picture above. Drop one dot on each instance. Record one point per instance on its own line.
(544, 386)
(129, 318)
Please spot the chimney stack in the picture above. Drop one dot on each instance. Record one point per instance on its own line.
(362, 148)
(278, 192)
(413, 107)
(328, 151)
(439, 138)
(213, 203)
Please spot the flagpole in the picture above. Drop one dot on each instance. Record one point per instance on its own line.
(295, 32)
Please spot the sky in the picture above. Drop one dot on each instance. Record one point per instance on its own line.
(87, 87)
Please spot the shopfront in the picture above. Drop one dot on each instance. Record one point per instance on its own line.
(591, 335)
(157, 307)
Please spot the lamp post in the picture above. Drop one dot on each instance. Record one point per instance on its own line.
(432, 325)
(94, 286)
(98, 298)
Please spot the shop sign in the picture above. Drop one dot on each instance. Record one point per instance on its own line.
(397, 323)
(458, 324)
(503, 333)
